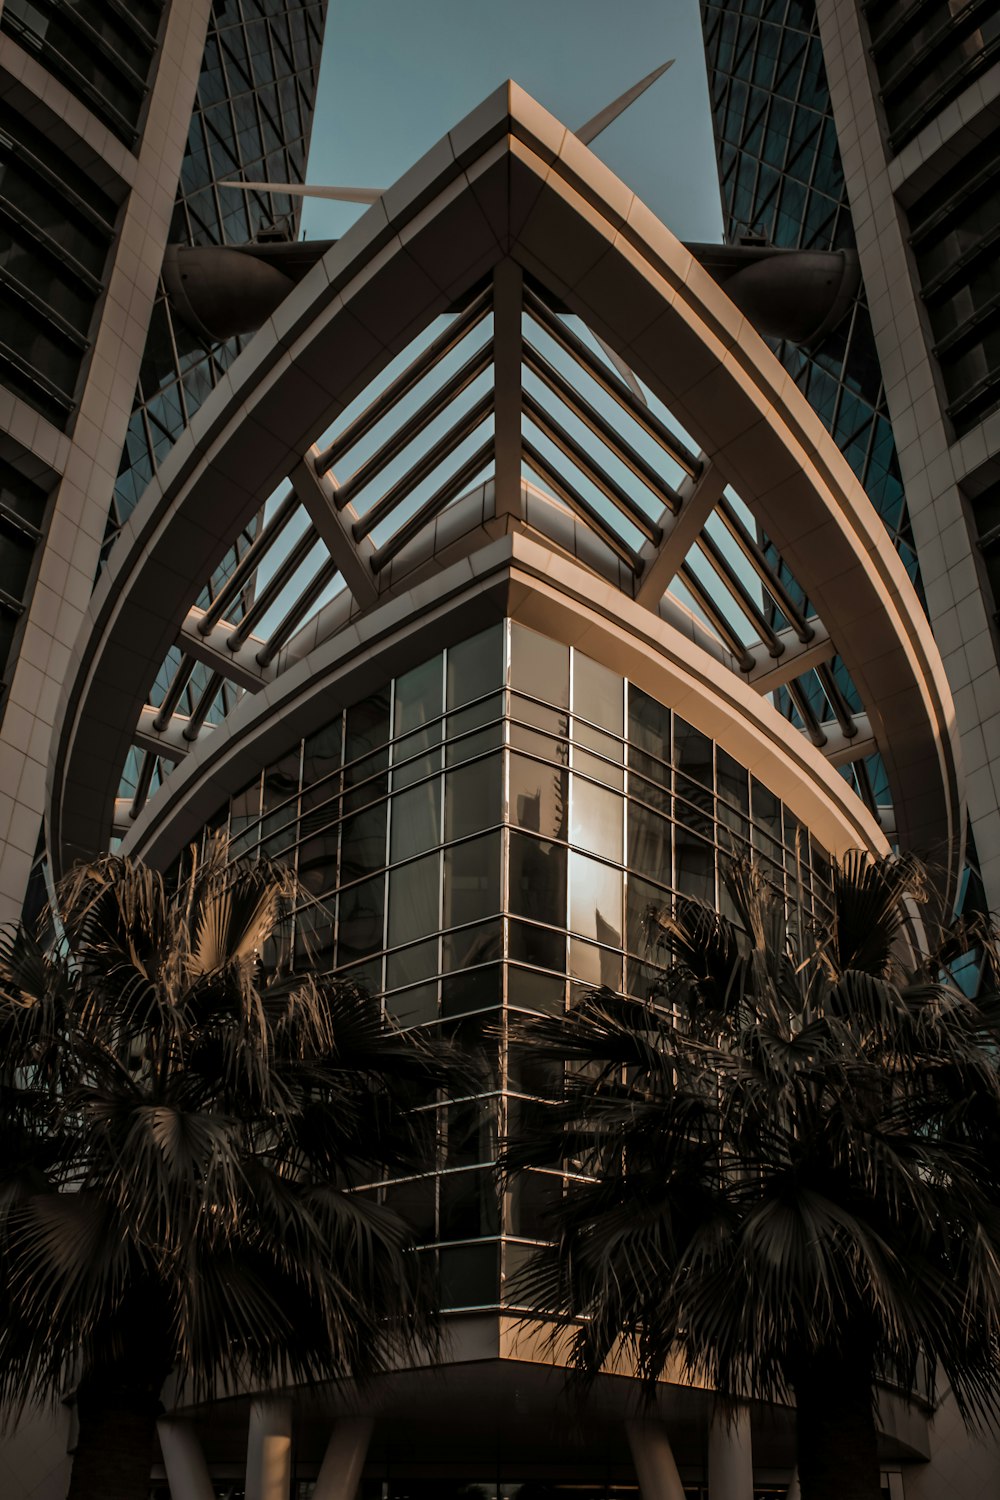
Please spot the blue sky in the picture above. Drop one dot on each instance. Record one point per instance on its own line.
(397, 74)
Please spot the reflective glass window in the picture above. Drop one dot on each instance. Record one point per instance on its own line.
(472, 798)
(361, 913)
(416, 820)
(596, 819)
(537, 879)
(598, 694)
(472, 880)
(595, 899)
(539, 796)
(414, 896)
(538, 666)
(475, 666)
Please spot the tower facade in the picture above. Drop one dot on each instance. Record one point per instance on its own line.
(873, 125)
(118, 124)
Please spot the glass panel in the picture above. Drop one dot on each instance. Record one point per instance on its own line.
(641, 898)
(537, 945)
(321, 757)
(414, 900)
(695, 869)
(595, 966)
(470, 1275)
(471, 945)
(648, 731)
(411, 964)
(598, 694)
(538, 666)
(363, 846)
(361, 913)
(469, 1206)
(472, 798)
(538, 797)
(244, 817)
(473, 989)
(595, 899)
(475, 666)
(415, 1006)
(416, 820)
(472, 880)
(418, 700)
(414, 1202)
(537, 879)
(529, 990)
(366, 733)
(734, 795)
(462, 744)
(596, 819)
(649, 843)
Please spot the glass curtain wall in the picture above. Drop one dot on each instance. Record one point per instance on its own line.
(486, 834)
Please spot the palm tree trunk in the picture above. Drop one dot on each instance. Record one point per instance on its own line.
(116, 1443)
(837, 1439)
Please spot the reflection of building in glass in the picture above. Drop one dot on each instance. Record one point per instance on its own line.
(502, 662)
(875, 125)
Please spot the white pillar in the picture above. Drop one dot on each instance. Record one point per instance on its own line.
(730, 1456)
(793, 1492)
(184, 1461)
(653, 1457)
(340, 1473)
(269, 1449)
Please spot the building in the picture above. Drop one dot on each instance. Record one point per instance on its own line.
(507, 658)
(117, 121)
(874, 126)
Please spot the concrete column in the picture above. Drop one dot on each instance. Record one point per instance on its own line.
(730, 1456)
(793, 1492)
(340, 1473)
(184, 1461)
(653, 1457)
(269, 1449)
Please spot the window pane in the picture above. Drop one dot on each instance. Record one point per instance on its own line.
(363, 846)
(529, 990)
(361, 912)
(538, 797)
(413, 1006)
(596, 820)
(537, 879)
(537, 945)
(418, 700)
(471, 945)
(470, 1276)
(472, 880)
(472, 798)
(475, 666)
(539, 666)
(469, 1206)
(649, 843)
(595, 966)
(648, 730)
(595, 899)
(641, 897)
(474, 989)
(408, 965)
(414, 893)
(598, 694)
(416, 820)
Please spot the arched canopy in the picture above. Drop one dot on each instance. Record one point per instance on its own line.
(510, 210)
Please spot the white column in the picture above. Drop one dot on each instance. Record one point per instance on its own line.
(184, 1461)
(730, 1456)
(269, 1449)
(793, 1492)
(340, 1473)
(653, 1457)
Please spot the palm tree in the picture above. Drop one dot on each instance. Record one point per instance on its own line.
(783, 1167)
(184, 1123)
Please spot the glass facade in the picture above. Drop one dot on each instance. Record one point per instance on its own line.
(103, 51)
(954, 232)
(781, 177)
(926, 52)
(487, 833)
(55, 234)
(252, 119)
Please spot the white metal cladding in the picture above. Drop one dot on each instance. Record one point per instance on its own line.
(478, 263)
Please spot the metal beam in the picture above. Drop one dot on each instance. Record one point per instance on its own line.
(795, 659)
(239, 666)
(335, 527)
(661, 564)
(171, 741)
